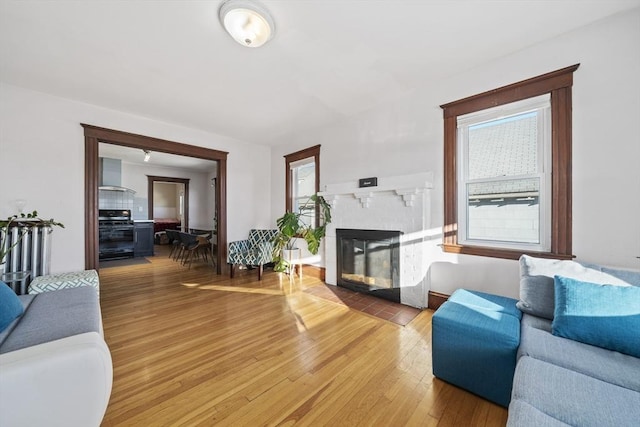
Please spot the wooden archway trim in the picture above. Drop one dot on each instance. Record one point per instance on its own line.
(94, 135)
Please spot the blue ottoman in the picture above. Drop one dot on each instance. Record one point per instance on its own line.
(474, 343)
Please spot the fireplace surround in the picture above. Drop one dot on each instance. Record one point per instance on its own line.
(399, 204)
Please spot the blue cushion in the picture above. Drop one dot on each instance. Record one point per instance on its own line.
(570, 398)
(630, 276)
(601, 315)
(10, 306)
(486, 301)
(66, 312)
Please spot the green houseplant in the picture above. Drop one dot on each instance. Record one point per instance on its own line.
(20, 219)
(292, 226)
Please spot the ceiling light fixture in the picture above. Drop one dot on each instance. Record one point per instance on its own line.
(249, 23)
(147, 155)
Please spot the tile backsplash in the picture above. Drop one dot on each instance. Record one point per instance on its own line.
(140, 208)
(110, 199)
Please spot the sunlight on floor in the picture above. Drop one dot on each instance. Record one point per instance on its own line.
(301, 305)
(233, 289)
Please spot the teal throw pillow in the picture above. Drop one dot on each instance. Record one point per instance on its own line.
(537, 285)
(10, 306)
(602, 315)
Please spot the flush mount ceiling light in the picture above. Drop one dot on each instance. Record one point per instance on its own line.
(249, 23)
(147, 155)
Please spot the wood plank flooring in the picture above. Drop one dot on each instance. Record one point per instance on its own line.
(191, 348)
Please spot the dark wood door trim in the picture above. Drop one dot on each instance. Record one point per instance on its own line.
(151, 179)
(94, 135)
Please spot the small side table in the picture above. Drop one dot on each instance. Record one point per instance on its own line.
(294, 258)
(15, 279)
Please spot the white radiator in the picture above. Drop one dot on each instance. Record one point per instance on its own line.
(33, 251)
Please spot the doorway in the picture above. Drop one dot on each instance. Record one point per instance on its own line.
(169, 199)
(95, 135)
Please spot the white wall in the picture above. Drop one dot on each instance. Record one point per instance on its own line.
(134, 176)
(42, 162)
(165, 195)
(406, 137)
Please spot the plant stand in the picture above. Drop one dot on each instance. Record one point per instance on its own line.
(293, 258)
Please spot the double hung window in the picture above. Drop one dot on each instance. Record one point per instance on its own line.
(504, 176)
(302, 182)
(507, 170)
(303, 185)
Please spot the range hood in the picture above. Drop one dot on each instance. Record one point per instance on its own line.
(110, 177)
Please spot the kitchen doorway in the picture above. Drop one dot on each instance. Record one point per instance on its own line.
(95, 135)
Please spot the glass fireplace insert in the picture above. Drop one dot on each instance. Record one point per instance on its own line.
(368, 261)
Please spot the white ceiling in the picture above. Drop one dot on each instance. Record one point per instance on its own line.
(136, 155)
(172, 61)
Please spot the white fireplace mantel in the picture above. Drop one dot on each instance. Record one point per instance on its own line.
(400, 203)
(406, 187)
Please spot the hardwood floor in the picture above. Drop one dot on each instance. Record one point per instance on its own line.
(191, 348)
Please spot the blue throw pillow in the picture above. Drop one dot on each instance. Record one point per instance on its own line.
(602, 315)
(537, 285)
(10, 306)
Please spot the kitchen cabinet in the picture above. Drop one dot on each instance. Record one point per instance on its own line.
(143, 239)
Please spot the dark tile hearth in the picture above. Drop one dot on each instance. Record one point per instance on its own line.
(387, 310)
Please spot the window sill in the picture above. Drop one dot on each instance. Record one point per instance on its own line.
(500, 253)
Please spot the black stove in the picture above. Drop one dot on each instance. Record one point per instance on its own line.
(114, 215)
(116, 234)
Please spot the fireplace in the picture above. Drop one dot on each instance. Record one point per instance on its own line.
(368, 261)
(399, 203)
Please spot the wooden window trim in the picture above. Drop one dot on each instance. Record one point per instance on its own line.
(294, 157)
(557, 83)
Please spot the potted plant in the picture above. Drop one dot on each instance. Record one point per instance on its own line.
(19, 219)
(292, 226)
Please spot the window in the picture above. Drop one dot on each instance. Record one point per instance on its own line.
(504, 175)
(508, 170)
(303, 184)
(303, 181)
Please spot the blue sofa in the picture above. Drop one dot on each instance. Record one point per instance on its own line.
(561, 381)
(566, 353)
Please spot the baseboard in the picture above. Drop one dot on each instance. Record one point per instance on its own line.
(314, 271)
(436, 299)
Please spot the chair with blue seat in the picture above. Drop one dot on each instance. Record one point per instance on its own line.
(256, 251)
